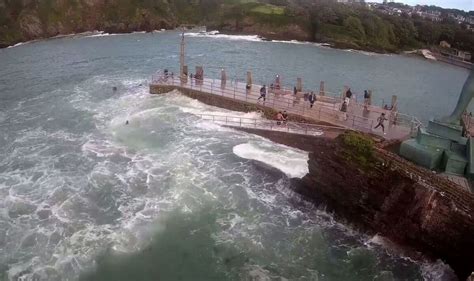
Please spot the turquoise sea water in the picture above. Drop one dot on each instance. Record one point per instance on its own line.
(82, 196)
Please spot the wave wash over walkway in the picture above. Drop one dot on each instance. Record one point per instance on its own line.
(326, 109)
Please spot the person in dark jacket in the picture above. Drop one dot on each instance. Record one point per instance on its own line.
(349, 93)
(312, 99)
(263, 93)
(380, 122)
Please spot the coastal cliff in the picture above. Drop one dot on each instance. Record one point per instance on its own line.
(382, 193)
(398, 200)
(24, 20)
(342, 26)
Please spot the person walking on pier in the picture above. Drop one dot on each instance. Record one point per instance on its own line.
(380, 122)
(263, 93)
(349, 93)
(312, 99)
(366, 100)
(344, 110)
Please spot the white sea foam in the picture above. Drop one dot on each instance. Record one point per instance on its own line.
(437, 271)
(19, 44)
(216, 35)
(144, 185)
(296, 42)
(366, 53)
(193, 106)
(103, 34)
(292, 162)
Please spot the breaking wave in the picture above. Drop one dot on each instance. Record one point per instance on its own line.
(292, 162)
(216, 35)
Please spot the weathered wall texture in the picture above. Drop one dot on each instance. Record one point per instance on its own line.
(406, 203)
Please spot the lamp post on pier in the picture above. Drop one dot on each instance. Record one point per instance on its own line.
(182, 69)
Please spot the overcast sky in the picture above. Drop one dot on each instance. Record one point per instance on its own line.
(467, 5)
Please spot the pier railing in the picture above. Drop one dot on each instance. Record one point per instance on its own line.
(270, 125)
(327, 107)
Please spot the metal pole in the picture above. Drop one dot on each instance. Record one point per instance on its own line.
(181, 57)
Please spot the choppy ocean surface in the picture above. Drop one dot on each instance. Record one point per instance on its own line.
(170, 196)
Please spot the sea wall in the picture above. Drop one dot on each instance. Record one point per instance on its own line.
(228, 103)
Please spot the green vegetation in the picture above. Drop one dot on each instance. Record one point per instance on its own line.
(358, 149)
(356, 26)
(269, 10)
(347, 26)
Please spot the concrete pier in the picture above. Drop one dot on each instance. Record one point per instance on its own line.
(326, 109)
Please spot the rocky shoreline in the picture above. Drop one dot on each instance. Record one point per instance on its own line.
(376, 190)
(388, 196)
(266, 36)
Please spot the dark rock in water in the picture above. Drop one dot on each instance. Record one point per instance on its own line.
(43, 214)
